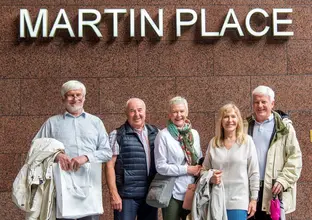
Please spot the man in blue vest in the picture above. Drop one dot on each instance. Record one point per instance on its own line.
(132, 167)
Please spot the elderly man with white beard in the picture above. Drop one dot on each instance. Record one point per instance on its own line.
(83, 135)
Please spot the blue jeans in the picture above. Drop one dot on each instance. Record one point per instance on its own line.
(132, 208)
(236, 214)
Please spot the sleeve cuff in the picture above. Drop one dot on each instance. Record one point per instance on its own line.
(184, 169)
(254, 195)
(284, 183)
(90, 157)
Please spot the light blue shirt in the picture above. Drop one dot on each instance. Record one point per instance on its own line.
(81, 135)
(262, 133)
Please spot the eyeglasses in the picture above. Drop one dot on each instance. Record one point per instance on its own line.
(74, 96)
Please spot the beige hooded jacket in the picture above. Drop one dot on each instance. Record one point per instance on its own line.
(284, 162)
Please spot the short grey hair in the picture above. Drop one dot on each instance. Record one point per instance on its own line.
(135, 99)
(72, 85)
(264, 90)
(178, 100)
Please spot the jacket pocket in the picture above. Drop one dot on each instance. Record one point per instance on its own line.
(287, 200)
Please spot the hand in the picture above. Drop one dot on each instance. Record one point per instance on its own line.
(116, 202)
(194, 170)
(277, 188)
(64, 161)
(216, 177)
(252, 207)
(76, 162)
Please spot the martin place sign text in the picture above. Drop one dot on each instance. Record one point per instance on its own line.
(29, 28)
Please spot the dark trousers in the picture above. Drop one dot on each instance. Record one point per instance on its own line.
(261, 215)
(174, 211)
(133, 209)
(93, 217)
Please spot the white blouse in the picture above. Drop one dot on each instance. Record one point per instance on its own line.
(170, 160)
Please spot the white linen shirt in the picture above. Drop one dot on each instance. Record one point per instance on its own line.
(170, 160)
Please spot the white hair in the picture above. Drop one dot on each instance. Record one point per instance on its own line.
(72, 85)
(135, 99)
(178, 100)
(264, 90)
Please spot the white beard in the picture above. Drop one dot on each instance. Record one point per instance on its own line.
(76, 108)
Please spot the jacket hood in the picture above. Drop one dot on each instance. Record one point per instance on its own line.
(282, 114)
(279, 117)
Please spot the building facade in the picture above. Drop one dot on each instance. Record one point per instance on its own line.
(142, 51)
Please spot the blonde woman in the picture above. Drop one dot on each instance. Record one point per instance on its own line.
(233, 156)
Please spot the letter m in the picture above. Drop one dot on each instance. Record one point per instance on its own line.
(33, 32)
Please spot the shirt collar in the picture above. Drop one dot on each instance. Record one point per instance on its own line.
(83, 114)
(139, 131)
(271, 117)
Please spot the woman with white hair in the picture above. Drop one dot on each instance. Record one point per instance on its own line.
(177, 150)
(233, 156)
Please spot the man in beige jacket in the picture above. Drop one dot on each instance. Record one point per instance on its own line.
(279, 154)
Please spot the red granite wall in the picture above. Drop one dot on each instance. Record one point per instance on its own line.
(207, 72)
